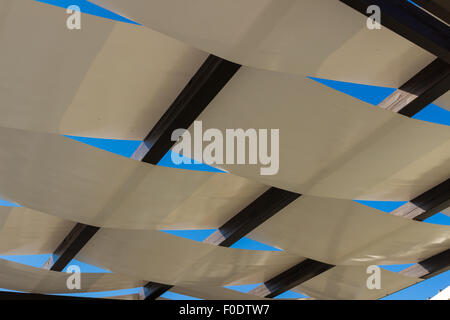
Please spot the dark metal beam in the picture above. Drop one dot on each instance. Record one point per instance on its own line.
(410, 22)
(255, 214)
(193, 99)
(439, 8)
(426, 86)
(153, 290)
(305, 270)
(248, 219)
(70, 246)
(427, 204)
(429, 267)
(212, 76)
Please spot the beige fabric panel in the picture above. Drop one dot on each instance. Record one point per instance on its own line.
(19, 277)
(25, 231)
(160, 257)
(134, 296)
(38, 52)
(349, 283)
(331, 144)
(214, 293)
(77, 182)
(119, 78)
(446, 212)
(343, 232)
(133, 80)
(323, 38)
(444, 101)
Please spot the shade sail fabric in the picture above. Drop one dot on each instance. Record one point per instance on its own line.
(19, 277)
(446, 212)
(106, 80)
(307, 37)
(214, 293)
(342, 232)
(349, 283)
(330, 144)
(160, 257)
(77, 182)
(444, 101)
(25, 231)
(133, 296)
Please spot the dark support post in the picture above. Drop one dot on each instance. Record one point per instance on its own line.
(212, 76)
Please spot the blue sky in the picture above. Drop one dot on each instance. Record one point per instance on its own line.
(371, 94)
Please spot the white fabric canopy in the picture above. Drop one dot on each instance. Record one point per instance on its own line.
(25, 231)
(306, 37)
(344, 232)
(446, 212)
(77, 182)
(444, 101)
(159, 257)
(214, 293)
(349, 283)
(107, 80)
(19, 277)
(330, 144)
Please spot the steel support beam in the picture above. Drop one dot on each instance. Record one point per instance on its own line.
(255, 214)
(429, 267)
(427, 204)
(212, 76)
(426, 86)
(70, 246)
(305, 270)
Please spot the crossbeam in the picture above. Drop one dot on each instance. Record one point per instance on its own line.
(256, 213)
(429, 267)
(426, 86)
(212, 76)
(427, 204)
(70, 246)
(304, 271)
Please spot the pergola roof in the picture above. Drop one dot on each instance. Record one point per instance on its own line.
(230, 64)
